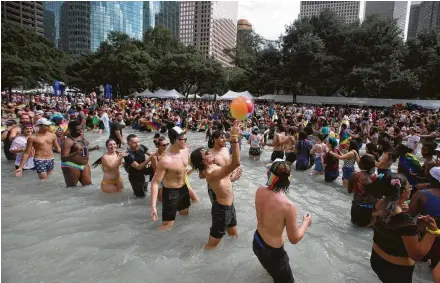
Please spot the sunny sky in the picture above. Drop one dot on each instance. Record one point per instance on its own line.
(269, 18)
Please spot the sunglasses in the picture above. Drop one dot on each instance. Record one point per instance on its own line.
(165, 144)
(183, 139)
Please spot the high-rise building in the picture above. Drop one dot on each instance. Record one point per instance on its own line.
(244, 29)
(413, 21)
(49, 25)
(268, 43)
(390, 9)
(75, 27)
(210, 26)
(348, 10)
(162, 13)
(429, 16)
(27, 14)
(52, 11)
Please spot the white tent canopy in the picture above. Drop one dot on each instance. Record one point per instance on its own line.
(191, 96)
(230, 95)
(208, 96)
(170, 94)
(276, 98)
(145, 93)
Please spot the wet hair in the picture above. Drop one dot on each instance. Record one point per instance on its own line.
(196, 159)
(371, 148)
(72, 127)
(292, 131)
(281, 128)
(367, 162)
(156, 135)
(130, 137)
(402, 150)
(321, 137)
(217, 134)
(384, 187)
(302, 135)
(158, 141)
(353, 146)
(99, 160)
(278, 177)
(431, 146)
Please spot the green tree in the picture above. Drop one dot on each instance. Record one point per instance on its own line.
(29, 59)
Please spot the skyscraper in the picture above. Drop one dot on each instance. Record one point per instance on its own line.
(390, 9)
(162, 13)
(413, 21)
(53, 8)
(244, 29)
(75, 27)
(429, 16)
(347, 10)
(210, 26)
(49, 25)
(27, 14)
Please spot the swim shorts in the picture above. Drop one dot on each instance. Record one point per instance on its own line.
(318, 165)
(347, 172)
(274, 260)
(44, 165)
(223, 217)
(174, 200)
(291, 157)
(277, 154)
(361, 213)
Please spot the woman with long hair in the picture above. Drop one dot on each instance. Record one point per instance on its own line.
(350, 159)
(330, 162)
(396, 245)
(387, 158)
(110, 162)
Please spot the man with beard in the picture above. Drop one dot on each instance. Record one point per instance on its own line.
(171, 171)
(222, 157)
(75, 156)
(223, 211)
(43, 143)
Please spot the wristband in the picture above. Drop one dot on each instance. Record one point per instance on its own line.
(233, 141)
(433, 232)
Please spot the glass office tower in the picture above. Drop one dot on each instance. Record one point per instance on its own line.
(53, 32)
(162, 13)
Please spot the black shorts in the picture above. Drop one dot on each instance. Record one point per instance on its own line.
(174, 200)
(290, 156)
(222, 217)
(254, 151)
(361, 213)
(388, 272)
(274, 260)
(277, 154)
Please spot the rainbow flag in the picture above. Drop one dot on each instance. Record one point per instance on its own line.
(344, 138)
(407, 164)
(153, 126)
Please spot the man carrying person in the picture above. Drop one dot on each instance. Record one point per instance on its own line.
(274, 213)
(43, 142)
(223, 211)
(171, 171)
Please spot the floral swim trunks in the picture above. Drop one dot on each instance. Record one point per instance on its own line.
(43, 165)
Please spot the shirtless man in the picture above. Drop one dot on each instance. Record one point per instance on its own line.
(75, 156)
(289, 146)
(43, 142)
(278, 151)
(171, 171)
(274, 213)
(218, 178)
(222, 157)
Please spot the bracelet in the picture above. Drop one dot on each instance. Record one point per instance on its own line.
(234, 136)
(436, 232)
(233, 141)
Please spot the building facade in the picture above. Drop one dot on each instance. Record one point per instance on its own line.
(347, 10)
(267, 43)
(162, 13)
(244, 29)
(413, 21)
(429, 16)
(27, 14)
(52, 9)
(210, 26)
(390, 9)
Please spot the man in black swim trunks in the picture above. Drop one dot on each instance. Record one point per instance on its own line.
(218, 178)
(274, 213)
(171, 170)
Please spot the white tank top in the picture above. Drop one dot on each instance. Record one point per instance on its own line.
(255, 141)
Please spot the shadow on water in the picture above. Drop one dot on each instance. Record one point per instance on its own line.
(51, 233)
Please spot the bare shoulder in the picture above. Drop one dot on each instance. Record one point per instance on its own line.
(165, 160)
(224, 150)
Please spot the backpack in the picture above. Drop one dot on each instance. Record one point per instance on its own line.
(131, 154)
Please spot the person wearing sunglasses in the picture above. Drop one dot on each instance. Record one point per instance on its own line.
(224, 218)
(171, 171)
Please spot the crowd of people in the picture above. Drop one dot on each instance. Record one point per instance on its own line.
(402, 207)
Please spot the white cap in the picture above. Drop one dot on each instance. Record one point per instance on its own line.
(438, 148)
(43, 121)
(435, 173)
(178, 130)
